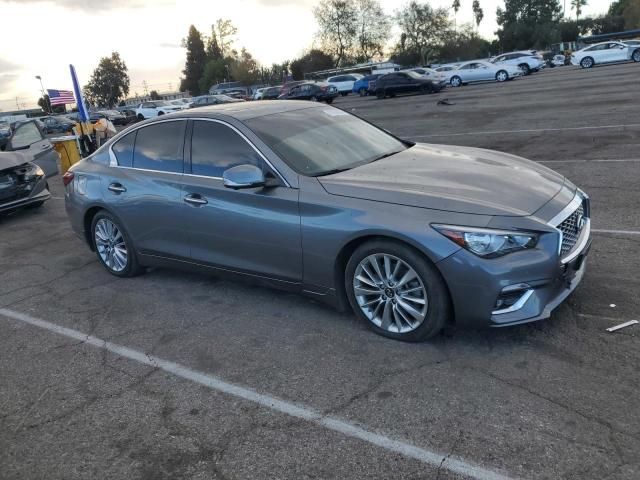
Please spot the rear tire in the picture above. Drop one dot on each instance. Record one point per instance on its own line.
(412, 311)
(362, 92)
(380, 94)
(502, 76)
(635, 56)
(587, 62)
(160, 113)
(110, 245)
(525, 69)
(455, 81)
(140, 117)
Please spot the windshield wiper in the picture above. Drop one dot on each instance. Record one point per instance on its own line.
(385, 156)
(331, 172)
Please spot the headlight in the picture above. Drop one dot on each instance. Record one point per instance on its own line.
(488, 243)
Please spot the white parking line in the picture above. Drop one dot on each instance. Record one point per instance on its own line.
(617, 232)
(528, 130)
(600, 160)
(435, 459)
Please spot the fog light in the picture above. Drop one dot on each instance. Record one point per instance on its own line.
(512, 298)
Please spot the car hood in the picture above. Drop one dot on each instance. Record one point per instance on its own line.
(451, 178)
(13, 159)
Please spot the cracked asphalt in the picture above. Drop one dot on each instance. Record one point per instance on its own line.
(550, 400)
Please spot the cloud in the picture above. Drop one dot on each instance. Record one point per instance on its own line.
(170, 45)
(7, 66)
(7, 81)
(91, 7)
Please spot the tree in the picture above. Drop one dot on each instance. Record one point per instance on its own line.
(337, 28)
(45, 104)
(372, 30)
(422, 31)
(109, 82)
(194, 66)
(629, 11)
(528, 24)
(215, 71)
(463, 44)
(577, 6)
(154, 95)
(312, 61)
(478, 13)
(456, 7)
(245, 68)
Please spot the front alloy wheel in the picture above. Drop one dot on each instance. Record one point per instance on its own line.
(636, 55)
(396, 291)
(456, 81)
(390, 293)
(586, 62)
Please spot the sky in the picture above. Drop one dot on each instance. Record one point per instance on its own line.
(45, 36)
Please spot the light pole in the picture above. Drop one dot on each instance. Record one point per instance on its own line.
(44, 98)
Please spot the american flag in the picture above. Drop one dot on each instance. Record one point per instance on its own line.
(60, 97)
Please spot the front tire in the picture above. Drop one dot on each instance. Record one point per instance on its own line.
(380, 94)
(362, 92)
(113, 246)
(140, 117)
(455, 81)
(398, 293)
(587, 62)
(635, 56)
(526, 70)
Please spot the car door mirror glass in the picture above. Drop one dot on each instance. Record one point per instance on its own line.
(243, 176)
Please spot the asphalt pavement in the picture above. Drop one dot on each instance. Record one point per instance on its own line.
(175, 375)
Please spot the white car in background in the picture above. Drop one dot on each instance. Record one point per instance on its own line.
(605, 52)
(446, 68)
(528, 61)
(154, 109)
(344, 83)
(481, 71)
(182, 103)
(258, 93)
(439, 78)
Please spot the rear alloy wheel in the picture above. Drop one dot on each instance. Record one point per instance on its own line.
(140, 116)
(455, 81)
(636, 55)
(113, 246)
(396, 291)
(586, 62)
(525, 68)
(502, 76)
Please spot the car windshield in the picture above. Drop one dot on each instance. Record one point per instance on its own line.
(319, 141)
(223, 97)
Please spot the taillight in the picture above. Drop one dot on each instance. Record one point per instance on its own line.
(67, 178)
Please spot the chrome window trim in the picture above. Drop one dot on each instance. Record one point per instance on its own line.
(113, 161)
(516, 306)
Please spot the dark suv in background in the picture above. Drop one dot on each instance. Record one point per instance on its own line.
(316, 92)
(391, 84)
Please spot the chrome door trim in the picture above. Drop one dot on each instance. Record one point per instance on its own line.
(113, 161)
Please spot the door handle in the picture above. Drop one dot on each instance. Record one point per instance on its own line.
(44, 146)
(195, 199)
(116, 188)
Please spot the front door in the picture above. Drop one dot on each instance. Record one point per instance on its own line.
(29, 138)
(256, 230)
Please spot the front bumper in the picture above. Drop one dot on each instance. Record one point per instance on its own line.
(41, 196)
(475, 283)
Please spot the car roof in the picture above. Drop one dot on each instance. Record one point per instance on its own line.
(245, 110)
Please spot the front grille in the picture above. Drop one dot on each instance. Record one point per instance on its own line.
(571, 228)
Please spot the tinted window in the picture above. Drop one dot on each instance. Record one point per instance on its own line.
(25, 134)
(465, 67)
(216, 147)
(159, 147)
(123, 150)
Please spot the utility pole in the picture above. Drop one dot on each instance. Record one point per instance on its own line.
(145, 87)
(44, 95)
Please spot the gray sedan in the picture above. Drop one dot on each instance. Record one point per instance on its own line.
(312, 199)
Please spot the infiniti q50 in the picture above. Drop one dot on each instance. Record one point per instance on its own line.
(310, 198)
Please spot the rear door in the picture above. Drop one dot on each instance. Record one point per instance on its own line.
(618, 52)
(144, 189)
(255, 230)
(28, 137)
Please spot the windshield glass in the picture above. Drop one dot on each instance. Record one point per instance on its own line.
(223, 97)
(319, 141)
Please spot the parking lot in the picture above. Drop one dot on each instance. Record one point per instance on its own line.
(176, 375)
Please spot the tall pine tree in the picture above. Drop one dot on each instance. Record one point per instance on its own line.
(196, 60)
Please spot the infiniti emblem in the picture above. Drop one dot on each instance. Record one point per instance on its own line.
(580, 221)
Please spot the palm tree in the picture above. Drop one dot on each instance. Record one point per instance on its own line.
(456, 7)
(577, 5)
(478, 13)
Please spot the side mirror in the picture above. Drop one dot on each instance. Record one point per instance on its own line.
(243, 176)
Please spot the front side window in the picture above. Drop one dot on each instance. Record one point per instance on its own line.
(25, 134)
(159, 147)
(216, 147)
(316, 141)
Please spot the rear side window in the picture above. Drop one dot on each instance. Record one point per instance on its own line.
(159, 147)
(216, 147)
(123, 149)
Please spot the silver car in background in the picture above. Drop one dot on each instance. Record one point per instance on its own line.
(309, 198)
(481, 71)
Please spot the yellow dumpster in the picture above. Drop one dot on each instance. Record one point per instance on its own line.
(67, 148)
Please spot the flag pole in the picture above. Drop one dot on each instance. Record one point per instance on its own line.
(86, 144)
